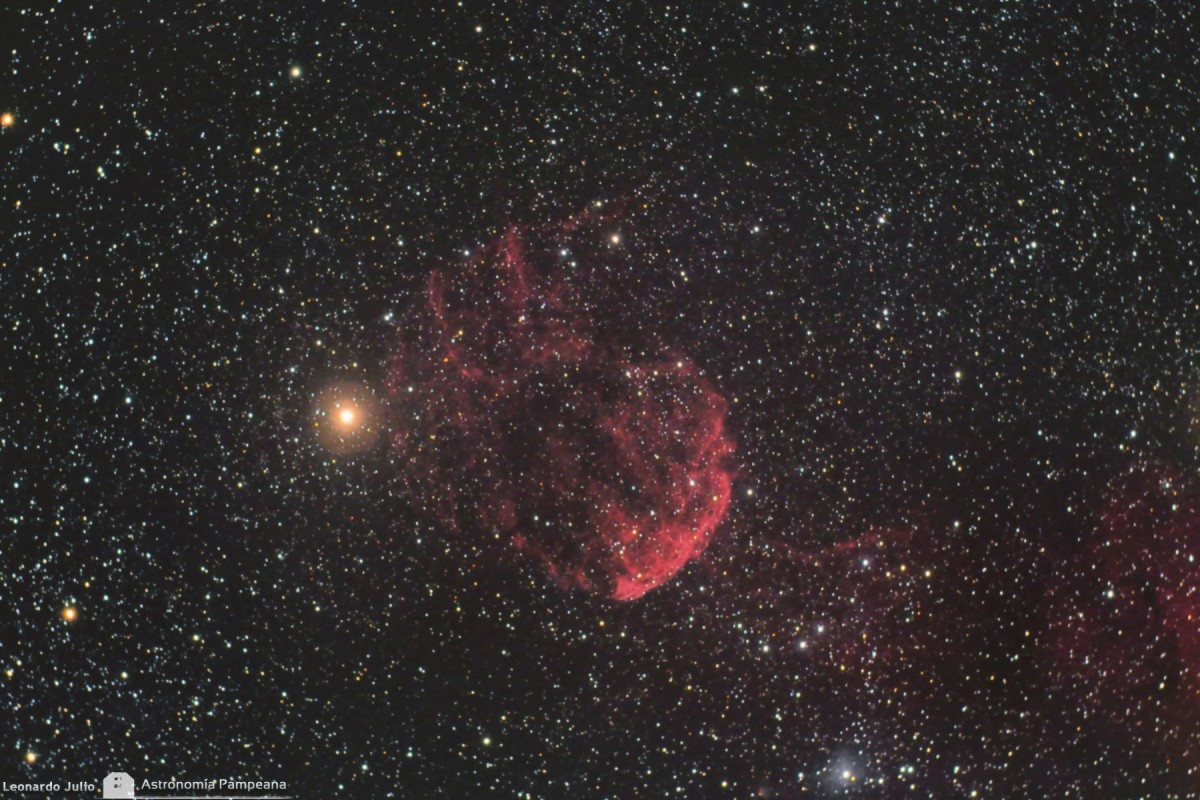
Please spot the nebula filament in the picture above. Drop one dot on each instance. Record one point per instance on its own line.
(519, 417)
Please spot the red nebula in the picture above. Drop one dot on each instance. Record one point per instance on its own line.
(871, 603)
(1125, 612)
(518, 417)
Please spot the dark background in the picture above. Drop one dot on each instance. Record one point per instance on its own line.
(940, 260)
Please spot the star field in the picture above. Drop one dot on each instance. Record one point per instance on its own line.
(935, 264)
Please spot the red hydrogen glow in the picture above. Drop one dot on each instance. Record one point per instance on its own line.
(860, 604)
(518, 417)
(1125, 612)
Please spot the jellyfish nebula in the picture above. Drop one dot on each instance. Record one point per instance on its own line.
(519, 416)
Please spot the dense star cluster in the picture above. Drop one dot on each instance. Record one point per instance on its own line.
(486, 399)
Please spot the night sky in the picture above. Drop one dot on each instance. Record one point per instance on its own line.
(602, 400)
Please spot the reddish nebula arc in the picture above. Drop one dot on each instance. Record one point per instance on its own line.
(1124, 613)
(517, 416)
(1137, 583)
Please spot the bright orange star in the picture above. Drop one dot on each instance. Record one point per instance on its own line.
(346, 417)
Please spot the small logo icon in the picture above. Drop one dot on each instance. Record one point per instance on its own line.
(118, 786)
